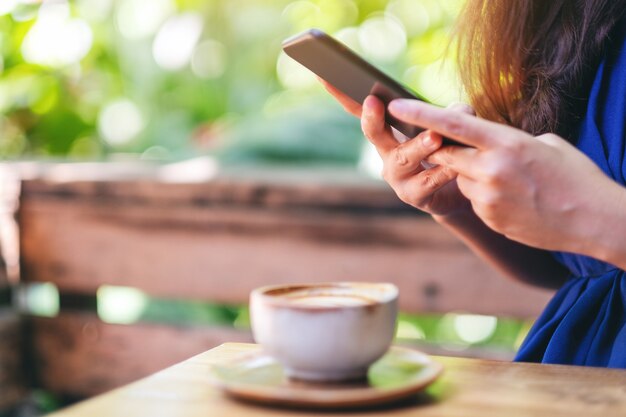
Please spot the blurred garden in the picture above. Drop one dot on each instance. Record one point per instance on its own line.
(165, 80)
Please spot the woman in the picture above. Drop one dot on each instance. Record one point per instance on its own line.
(539, 190)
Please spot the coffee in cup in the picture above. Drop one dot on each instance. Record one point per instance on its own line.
(327, 331)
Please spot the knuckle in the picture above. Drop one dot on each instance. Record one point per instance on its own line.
(498, 167)
(515, 148)
(444, 155)
(454, 123)
(448, 174)
(496, 173)
(491, 201)
(399, 156)
(429, 181)
(421, 135)
(551, 139)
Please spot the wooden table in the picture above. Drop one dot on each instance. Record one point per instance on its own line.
(468, 388)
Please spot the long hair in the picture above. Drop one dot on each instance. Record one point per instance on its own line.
(530, 63)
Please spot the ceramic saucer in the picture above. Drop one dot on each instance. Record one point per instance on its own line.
(256, 376)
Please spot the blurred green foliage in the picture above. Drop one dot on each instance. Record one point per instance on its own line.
(455, 332)
(168, 79)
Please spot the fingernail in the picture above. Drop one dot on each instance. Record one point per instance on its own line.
(428, 141)
(398, 105)
(369, 101)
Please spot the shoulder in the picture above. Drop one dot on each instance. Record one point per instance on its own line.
(601, 134)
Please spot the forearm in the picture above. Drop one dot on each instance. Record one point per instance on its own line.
(520, 262)
(601, 231)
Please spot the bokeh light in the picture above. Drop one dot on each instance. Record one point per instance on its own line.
(175, 42)
(350, 37)
(138, 19)
(303, 14)
(94, 10)
(438, 81)
(120, 121)
(254, 21)
(84, 148)
(409, 330)
(7, 6)
(293, 75)
(413, 15)
(121, 305)
(56, 40)
(209, 59)
(41, 299)
(382, 38)
(473, 328)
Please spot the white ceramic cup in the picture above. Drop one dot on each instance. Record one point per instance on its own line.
(326, 331)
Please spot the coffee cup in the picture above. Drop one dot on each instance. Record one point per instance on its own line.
(326, 331)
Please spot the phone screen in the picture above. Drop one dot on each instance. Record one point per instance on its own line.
(349, 73)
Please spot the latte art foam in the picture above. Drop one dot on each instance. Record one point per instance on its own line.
(332, 296)
(330, 300)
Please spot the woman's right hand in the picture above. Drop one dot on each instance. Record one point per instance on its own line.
(433, 190)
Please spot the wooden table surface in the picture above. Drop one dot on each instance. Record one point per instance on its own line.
(468, 388)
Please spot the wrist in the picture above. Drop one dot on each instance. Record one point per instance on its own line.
(601, 226)
(461, 215)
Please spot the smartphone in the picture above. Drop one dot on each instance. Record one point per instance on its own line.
(349, 73)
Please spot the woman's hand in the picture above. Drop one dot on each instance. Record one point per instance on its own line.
(540, 191)
(432, 190)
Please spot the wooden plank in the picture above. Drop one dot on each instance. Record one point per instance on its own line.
(78, 355)
(467, 387)
(250, 192)
(188, 241)
(11, 373)
(12, 383)
(9, 196)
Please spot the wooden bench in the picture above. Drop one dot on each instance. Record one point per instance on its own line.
(214, 239)
(11, 373)
(12, 381)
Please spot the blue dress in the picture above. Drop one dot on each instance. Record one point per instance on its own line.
(585, 322)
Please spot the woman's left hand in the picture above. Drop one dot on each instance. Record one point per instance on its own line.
(540, 191)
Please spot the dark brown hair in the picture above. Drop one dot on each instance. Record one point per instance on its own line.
(530, 63)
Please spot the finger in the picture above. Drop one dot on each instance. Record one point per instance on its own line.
(419, 187)
(348, 103)
(463, 108)
(468, 187)
(461, 159)
(462, 127)
(481, 197)
(375, 128)
(406, 159)
(478, 195)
